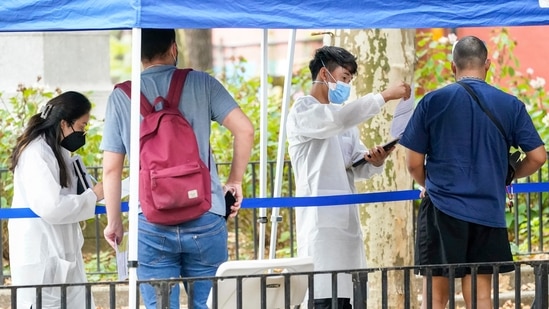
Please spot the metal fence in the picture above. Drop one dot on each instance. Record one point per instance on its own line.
(386, 287)
(528, 220)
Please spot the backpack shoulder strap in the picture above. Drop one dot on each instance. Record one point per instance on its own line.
(146, 107)
(176, 86)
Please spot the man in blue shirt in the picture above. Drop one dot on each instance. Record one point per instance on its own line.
(197, 247)
(458, 154)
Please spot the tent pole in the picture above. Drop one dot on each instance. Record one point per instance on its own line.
(275, 218)
(134, 166)
(263, 142)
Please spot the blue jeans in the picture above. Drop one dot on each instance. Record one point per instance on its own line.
(191, 249)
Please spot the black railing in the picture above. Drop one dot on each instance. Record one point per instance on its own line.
(385, 287)
(528, 228)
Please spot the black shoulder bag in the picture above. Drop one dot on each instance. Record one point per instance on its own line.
(513, 158)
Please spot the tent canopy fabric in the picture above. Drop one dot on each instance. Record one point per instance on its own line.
(51, 15)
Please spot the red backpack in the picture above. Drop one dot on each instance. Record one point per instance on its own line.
(174, 183)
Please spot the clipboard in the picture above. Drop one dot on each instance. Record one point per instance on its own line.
(84, 181)
(387, 146)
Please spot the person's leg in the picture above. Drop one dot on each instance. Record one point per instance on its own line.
(344, 303)
(204, 243)
(486, 244)
(484, 285)
(440, 293)
(158, 259)
(326, 303)
(323, 303)
(440, 240)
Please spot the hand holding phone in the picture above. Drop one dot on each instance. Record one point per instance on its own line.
(391, 144)
(386, 147)
(229, 201)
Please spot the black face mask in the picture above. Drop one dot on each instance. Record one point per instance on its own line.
(74, 141)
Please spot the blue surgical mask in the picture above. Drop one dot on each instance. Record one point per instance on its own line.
(339, 91)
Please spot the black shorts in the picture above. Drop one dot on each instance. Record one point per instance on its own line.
(442, 239)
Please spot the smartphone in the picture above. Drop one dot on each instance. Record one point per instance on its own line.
(386, 147)
(229, 201)
(391, 144)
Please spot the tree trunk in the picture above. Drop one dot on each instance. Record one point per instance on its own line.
(195, 49)
(385, 57)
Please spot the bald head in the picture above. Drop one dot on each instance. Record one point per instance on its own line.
(469, 53)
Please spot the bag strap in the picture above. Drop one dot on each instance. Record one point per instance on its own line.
(174, 91)
(174, 94)
(484, 109)
(176, 86)
(146, 107)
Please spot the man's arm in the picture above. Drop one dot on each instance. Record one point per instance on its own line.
(415, 162)
(113, 163)
(243, 131)
(532, 162)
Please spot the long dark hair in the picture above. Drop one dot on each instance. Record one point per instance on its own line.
(68, 106)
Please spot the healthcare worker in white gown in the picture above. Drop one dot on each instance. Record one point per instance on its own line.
(47, 250)
(323, 144)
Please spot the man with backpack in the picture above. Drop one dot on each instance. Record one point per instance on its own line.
(182, 230)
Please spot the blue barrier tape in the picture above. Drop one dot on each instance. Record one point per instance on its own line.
(530, 187)
(10, 213)
(330, 200)
(290, 202)
(99, 210)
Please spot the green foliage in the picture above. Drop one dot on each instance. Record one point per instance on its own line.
(15, 113)
(528, 224)
(120, 52)
(246, 93)
(107, 266)
(433, 71)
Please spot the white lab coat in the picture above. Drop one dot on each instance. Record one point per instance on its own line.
(323, 144)
(48, 249)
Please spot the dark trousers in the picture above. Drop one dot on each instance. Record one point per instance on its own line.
(326, 303)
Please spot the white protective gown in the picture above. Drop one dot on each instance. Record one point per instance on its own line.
(47, 249)
(323, 143)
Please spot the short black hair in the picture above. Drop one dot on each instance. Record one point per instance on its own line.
(156, 42)
(332, 57)
(469, 53)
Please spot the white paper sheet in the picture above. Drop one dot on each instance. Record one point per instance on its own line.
(122, 258)
(403, 113)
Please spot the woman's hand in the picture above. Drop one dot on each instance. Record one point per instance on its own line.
(98, 190)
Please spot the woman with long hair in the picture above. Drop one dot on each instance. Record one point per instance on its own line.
(48, 249)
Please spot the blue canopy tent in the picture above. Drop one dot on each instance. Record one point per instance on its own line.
(47, 15)
(58, 15)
